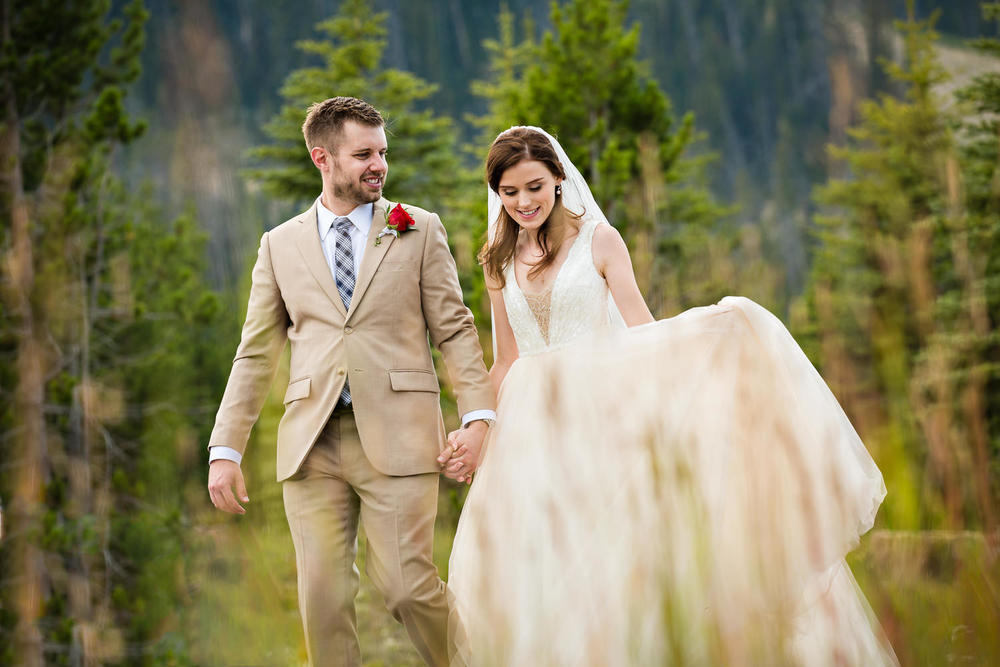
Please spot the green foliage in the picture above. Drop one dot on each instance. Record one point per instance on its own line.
(980, 264)
(861, 291)
(584, 83)
(117, 300)
(903, 301)
(980, 150)
(424, 163)
(926, 588)
(148, 349)
(503, 89)
(897, 295)
(53, 62)
(422, 156)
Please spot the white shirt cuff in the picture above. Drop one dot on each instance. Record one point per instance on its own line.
(488, 415)
(217, 452)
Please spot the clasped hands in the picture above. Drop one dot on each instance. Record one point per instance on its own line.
(460, 457)
(458, 461)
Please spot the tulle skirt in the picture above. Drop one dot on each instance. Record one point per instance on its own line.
(682, 492)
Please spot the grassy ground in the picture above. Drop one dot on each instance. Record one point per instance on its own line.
(937, 594)
(244, 608)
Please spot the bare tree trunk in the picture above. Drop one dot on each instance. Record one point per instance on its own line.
(29, 438)
(595, 147)
(78, 448)
(974, 406)
(644, 229)
(90, 476)
(594, 151)
(878, 16)
(931, 389)
(845, 87)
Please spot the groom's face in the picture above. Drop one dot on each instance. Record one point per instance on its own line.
(358, 164)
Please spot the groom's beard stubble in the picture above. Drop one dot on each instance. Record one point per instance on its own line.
(358, 192)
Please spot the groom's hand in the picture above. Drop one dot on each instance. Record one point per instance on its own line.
(461, 457)
(223, 477)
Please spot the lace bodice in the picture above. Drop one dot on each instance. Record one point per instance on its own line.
(577, 303)
(540, 308)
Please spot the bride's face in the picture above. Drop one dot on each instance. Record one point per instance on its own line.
(528, 193)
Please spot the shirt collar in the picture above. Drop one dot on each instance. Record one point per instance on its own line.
(361, 217)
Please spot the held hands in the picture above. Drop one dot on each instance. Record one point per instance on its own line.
(223, 477)
(461, 456)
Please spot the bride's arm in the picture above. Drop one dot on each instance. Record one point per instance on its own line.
(506, 345)
(613, 262)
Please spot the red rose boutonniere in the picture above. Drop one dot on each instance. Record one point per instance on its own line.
(397, 221)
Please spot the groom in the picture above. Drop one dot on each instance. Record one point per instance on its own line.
(358, 285)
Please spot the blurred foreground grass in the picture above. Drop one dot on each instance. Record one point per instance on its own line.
(244, 602)
(936, 593)
(245, 607)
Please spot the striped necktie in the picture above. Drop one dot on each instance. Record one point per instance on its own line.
(343, 260)
(343, 264)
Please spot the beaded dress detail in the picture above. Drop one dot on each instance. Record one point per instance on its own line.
(541, 307)
(575, 305)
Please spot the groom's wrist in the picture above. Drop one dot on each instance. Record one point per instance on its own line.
(221, 452)
(488, 416)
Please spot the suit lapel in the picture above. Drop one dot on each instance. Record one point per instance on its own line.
(373, 253)
(311, 249)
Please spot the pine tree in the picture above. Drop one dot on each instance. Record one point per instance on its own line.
(892, 297)
(422, 149)
(976, 253)
(56, 109)
(503, 90)
(583, 83)
(425, 166)
(102, 346)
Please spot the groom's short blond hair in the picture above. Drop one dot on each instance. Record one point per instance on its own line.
(324, 120)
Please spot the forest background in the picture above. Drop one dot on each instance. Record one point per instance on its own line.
(835, 160)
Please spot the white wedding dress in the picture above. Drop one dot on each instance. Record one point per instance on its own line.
(682, 492)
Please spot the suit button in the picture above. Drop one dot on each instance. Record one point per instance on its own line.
(348, 330)
(340, 371)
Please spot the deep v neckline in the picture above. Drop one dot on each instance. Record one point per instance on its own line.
(522, 296)
(555, 281)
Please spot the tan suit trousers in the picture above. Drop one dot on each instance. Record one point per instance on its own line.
(323, 502)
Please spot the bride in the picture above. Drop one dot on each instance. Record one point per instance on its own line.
(674, 492)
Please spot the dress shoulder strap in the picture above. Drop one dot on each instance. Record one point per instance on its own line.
(587, 239)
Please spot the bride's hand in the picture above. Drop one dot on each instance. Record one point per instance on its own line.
(461, 457)
(448, 459)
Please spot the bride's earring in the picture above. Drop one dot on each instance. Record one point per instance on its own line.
(558, 190)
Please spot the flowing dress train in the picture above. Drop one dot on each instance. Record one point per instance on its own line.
(682, 492)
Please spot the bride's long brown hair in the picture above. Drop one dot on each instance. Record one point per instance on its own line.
(510, 148)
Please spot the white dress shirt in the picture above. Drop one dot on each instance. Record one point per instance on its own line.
(361, 223)
(361, 219)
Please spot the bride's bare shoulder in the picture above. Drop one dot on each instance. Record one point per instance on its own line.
(607, 234)
(608, 246)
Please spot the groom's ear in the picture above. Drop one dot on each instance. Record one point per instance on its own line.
(320, 157)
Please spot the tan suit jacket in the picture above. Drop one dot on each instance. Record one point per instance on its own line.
(406, 295)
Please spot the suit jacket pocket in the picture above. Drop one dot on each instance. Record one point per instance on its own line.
(415, 380)
(398, 265)
(297, 389)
